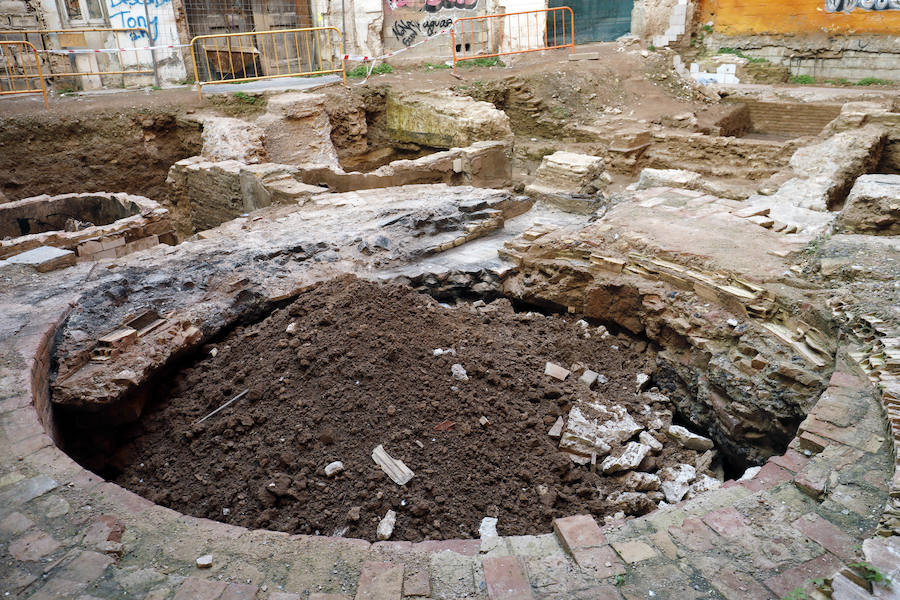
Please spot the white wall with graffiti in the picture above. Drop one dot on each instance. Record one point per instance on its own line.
(161, 31)
(409, 22)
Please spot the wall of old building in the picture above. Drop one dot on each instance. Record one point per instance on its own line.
(821, 38)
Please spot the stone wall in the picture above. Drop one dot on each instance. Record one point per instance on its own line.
(849, 56)
(20, 14)
(148, 225)
(205, 194)
(483, 164)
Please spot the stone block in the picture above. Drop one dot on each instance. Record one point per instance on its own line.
(44, 258)
(584, 56)
(873, 206)
(443, 119)
(225, 138)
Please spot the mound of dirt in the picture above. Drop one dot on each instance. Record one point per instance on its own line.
(351, 365)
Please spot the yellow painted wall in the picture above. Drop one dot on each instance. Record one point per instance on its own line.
(756, 17)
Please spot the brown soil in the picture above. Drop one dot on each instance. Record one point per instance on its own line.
(359, 371)
(99, 151)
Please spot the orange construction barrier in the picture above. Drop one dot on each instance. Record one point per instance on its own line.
(488, 36)
(22, 66)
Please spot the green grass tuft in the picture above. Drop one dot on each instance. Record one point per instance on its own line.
(481, 62)
(362, 70)
(873, 81)
(802, 79)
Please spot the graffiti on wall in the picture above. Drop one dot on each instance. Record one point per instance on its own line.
(850, 5)
(432, 6)
(130, 13)
(407, 22)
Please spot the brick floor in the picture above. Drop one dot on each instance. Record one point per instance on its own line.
(827, 535)
(800, 576)
(380, 581)
(196, 588)
(33, 546)
(504, 579)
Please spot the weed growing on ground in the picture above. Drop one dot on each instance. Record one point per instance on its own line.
(482, 62)
(839, 81)
(619, 580)
(874, 81)
(362, 71)
(871, 573)
(802, 79)
(651, 48)
(436, 66)
(245, 98)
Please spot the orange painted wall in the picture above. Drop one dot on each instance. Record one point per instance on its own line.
(754, 17)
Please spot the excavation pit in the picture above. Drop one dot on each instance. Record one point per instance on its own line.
(94, 225)
(350, 366)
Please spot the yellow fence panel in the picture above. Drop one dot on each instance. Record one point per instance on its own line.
(92, 51)
(256, 55)
(489, 36)
(20, 70)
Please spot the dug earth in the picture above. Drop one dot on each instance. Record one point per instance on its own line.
(547, 412)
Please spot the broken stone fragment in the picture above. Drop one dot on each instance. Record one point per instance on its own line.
(750, 473)
(291, 328)
(589, 378)
(631, 503)
(395, 469)
(594, 429)
(484, 421)
(689, 440)
(459, 372)
(704, 461)
(557, 428)
(556, 371)
(641, 379)
(636, 481)
(205, 561)
(386, 525)
(676, 482)
(647, 438)
(353, 513)
(631, 457)
(334, 468)
(704, 483)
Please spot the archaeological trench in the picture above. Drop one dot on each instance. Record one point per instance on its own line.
(380, 343)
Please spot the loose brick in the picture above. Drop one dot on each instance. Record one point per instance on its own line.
(693, 535)
(738, 586)
(33, 546)
(634, 551)
(826, 535)
(582, 538)
(800, 576)
(15, 524)
(380, 581)
(791, 460)
(417, 583)
(768, 477)
(505, 580)
(87, 567)
(727, 522)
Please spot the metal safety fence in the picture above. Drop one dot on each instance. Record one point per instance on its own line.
(98, 52)
(258, 55)
(490, 36)
(21, 70)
